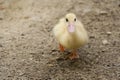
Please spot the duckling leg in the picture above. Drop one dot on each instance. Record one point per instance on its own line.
(73, 55)
(61, 48)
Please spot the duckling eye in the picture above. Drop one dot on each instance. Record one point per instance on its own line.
(66, 20)
(75, 19)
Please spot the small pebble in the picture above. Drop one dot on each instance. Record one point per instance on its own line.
(20, 72)
(103, 12)
(109, 33)
(50, 65)
(30, 58)
(105, 42)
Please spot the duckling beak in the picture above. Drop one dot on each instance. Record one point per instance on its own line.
(71, 28)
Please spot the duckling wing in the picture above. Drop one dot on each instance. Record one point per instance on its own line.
(59, 30)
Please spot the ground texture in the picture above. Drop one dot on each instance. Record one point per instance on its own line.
(28, 50)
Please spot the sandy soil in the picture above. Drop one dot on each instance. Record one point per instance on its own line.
(28, 50)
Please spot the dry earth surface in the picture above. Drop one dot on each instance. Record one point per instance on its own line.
(28, 50)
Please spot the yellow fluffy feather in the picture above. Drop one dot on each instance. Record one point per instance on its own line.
(73, 36)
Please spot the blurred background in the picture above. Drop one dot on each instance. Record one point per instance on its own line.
(28, 50)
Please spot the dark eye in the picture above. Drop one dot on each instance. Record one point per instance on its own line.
(66, 20)
(75, 19)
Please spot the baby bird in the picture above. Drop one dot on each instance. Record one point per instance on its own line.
(71, 34)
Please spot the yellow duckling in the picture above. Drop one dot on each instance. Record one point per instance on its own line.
(70, 34)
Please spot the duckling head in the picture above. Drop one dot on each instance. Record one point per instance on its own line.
(70, 20)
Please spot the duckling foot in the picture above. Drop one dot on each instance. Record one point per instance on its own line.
(73, 55)
(61, 48)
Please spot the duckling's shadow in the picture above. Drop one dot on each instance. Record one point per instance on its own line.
(80, 63)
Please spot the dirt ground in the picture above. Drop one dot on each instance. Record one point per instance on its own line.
(28, 50)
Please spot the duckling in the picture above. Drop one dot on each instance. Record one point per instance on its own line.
(71, 34)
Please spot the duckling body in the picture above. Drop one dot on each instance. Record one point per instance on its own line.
(71, 37)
